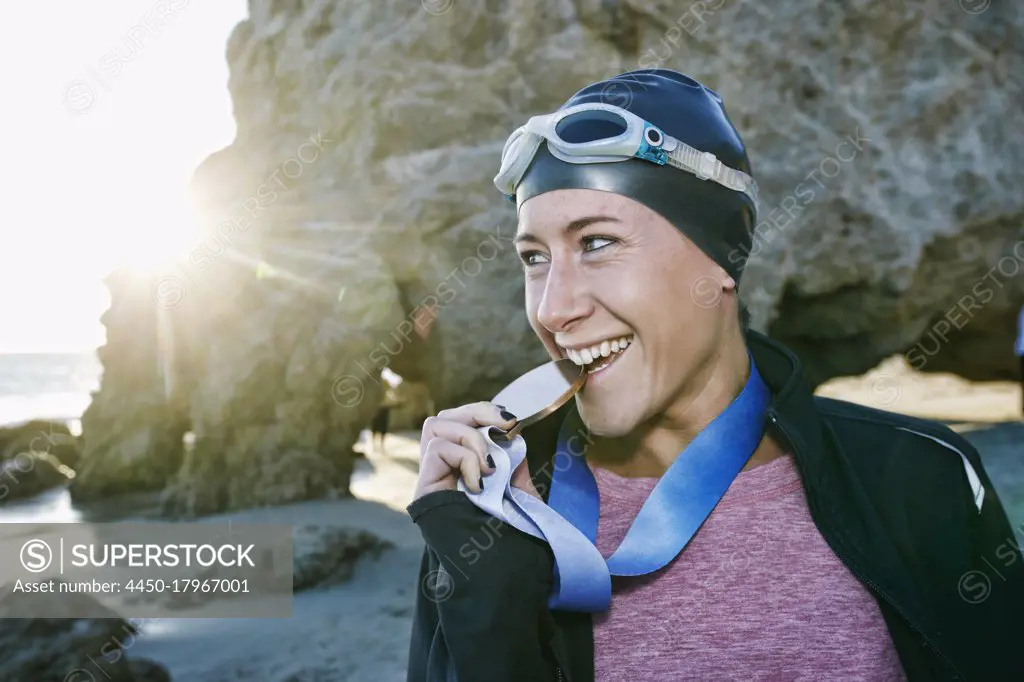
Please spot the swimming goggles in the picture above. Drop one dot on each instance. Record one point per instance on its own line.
(603, 133)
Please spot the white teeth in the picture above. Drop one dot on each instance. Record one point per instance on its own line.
(600, 350)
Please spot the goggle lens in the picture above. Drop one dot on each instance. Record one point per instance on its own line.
(590, 126)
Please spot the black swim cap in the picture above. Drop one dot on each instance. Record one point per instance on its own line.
(718, 220)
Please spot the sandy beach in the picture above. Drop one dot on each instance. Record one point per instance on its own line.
(356, 631)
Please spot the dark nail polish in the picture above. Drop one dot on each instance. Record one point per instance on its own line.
(481, 483)
(500, 407)
(505, 414)
(490, 462)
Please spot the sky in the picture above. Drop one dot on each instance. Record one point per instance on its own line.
(107, 110)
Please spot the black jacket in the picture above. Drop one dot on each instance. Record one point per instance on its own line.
(896, 498)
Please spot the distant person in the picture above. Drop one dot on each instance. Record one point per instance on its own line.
(1020, 354)
(423, 321)
(381, 420)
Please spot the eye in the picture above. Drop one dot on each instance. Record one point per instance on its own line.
(588, 241)
(531, 258)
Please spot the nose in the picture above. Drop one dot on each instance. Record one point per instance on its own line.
(565, 299)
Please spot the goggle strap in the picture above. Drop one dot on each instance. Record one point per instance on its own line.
(706, 166)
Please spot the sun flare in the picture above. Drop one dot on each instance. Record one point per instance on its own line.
(166, 234)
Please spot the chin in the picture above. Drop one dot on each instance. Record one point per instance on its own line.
(612, 422)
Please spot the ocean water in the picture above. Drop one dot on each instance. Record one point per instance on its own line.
(47, 385)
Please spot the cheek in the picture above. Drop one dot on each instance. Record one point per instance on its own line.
(660, 308)
(680, 293)
(639, 298)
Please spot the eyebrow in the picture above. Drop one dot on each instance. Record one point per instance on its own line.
(571, 228)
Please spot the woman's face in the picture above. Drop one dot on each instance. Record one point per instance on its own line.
(604, 272)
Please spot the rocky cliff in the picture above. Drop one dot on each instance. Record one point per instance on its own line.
(356, 204)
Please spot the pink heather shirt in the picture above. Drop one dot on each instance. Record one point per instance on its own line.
(756, 595)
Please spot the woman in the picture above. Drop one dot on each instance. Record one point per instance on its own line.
(851, 541)
(381, 420)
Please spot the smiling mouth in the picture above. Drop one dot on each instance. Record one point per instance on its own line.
(600, 356)
(602, 364)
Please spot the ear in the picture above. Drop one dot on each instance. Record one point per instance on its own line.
(728, 283)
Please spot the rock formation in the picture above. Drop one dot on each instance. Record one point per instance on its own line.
(132, 430)
(29, 473)
(416, 406)
(326, 556)
(40, 435)
(70, 648)
(356, 202)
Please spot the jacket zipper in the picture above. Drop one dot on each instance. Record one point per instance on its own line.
(559, 671)
(870, 583)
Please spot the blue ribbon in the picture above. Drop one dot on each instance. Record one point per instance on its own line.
(675, 510)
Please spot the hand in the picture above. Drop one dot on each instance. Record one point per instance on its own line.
(450, 446)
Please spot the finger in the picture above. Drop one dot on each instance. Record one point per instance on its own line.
(461, 459)
(433, 468)
(433, 427)
(466, 436)
(480, 414)
(427, 433)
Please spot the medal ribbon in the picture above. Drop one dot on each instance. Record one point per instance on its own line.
(681, 501)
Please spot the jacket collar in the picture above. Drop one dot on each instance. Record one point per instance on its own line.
(792, 397)
(792, 407)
